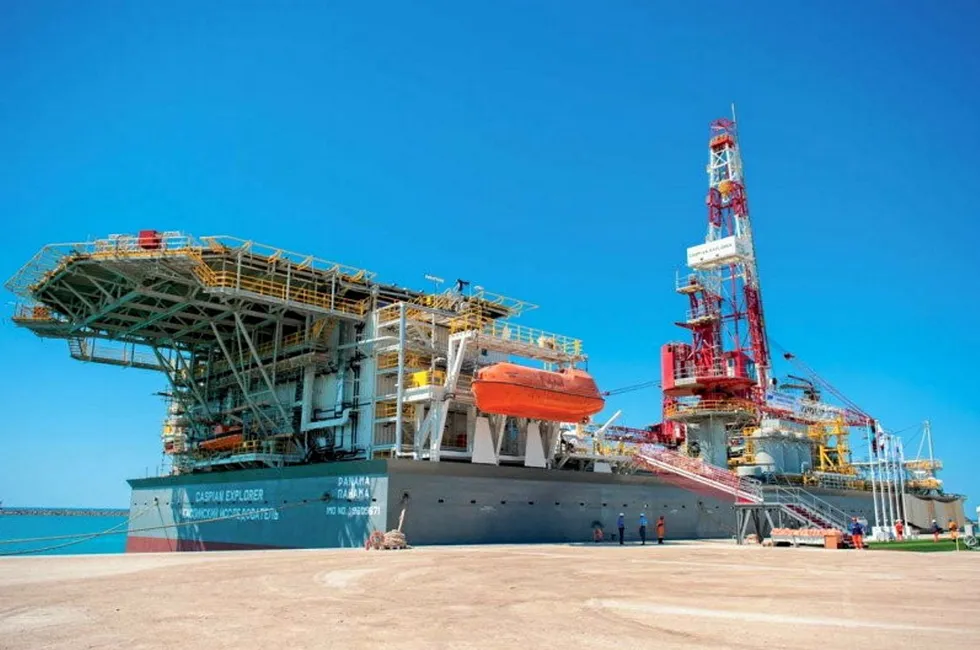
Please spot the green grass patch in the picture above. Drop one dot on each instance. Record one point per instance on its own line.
(917, 546)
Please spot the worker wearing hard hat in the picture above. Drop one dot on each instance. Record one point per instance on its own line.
(899, 529)
(857, 533)
(935, 531)
(643, 528)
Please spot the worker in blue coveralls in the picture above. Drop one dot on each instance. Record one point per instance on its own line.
(643, 528)
(621, 525)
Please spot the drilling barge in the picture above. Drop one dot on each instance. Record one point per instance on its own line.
(309, 404)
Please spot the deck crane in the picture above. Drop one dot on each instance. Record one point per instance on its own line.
(854, 415)
(806, 386)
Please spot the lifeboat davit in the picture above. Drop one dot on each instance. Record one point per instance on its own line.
(569, 395)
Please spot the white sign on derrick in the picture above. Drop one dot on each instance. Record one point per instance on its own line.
(728, 250)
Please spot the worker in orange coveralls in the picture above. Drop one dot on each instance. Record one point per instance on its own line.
(660, 530)
(857, 533)
(899, 529)
(953, 529)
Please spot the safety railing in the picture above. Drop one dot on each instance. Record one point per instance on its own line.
(510, 332)
(33, 313)
(703, 312)
(278, 290)
(52, 257)
(427, 378)
(688, 282)
(798, 496)
(299, 260)
(390, 410)
(660, 458)
(924, 484)
(148, 245)
(708, 406)
(126, 355)
(923, 465)
(719, 371)
(441, 301)
(389, 360)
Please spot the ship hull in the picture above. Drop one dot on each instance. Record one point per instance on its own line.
(336, 505)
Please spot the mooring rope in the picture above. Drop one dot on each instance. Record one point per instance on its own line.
(77, 538)
(84, 537)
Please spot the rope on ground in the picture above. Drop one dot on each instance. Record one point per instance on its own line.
(392, 540)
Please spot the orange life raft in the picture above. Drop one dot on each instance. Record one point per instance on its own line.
(569, 395)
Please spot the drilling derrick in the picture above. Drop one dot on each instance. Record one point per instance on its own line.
(717, 382)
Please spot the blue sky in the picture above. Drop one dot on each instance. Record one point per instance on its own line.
(552, 151)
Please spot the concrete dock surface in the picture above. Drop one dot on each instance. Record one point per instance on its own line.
(681, 595)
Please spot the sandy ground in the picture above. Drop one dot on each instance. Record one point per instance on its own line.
(697, 595)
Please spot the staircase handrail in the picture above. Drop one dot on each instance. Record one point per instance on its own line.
(824, 508)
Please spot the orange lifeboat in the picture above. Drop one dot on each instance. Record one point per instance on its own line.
(222, 443)
(569, 395)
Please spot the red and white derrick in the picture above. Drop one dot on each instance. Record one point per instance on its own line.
(728, 356)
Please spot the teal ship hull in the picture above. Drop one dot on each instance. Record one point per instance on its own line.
(338, 505)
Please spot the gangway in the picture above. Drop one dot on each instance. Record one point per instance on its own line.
(751, 499)
(694, 473)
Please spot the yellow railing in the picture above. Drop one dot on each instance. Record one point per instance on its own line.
(924, 465)
(437, 300)
(298, 260)
(472, 320)
(50, 259)
(427, 378)
(710, 406)
(437, 378)
(924, 484)
(34, 313)
(231, 280)
(390, 313)
(390, 410)
(389, 360)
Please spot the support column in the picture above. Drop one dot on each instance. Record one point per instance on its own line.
(871, 467)
(454, 363)
(259, 415)
(534, 446)
(400, 386)
(261, 367)
(483, 443)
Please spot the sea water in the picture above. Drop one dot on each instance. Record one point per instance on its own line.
(19, 527)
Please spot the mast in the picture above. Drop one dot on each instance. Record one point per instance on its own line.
(739, 292)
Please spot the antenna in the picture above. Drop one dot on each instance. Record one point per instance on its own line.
(435, 280)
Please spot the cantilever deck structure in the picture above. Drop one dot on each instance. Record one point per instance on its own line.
(299, 355)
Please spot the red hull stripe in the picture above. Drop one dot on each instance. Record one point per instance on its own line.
(136, 544)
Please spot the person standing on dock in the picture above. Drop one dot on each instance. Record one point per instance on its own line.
(643, 528)
(857, 533)
(899, 529)
(935, 530)
(660, 530)
(954, 529)
(621, 525)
